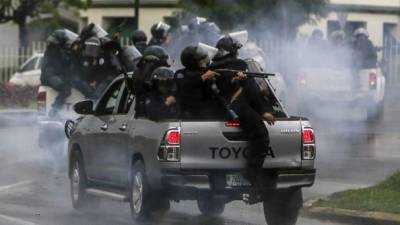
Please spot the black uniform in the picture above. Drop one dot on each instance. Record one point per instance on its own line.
(364, 53)
(195, 97)
(55, 73)
(153, 57)
(156, 108)
(246, 101)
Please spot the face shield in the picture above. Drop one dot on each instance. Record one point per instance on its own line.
(70, 37)
(207, 49)
(130, 56)
(163, 26)
(241, 37)
(213, 28)
(200, 20)
(99, 31)
(92, 48)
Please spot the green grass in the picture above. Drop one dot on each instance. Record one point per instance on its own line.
(383, 197)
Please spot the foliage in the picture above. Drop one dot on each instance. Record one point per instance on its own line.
(383, 197)
(280, 16)
(18, 11)
(17, 96)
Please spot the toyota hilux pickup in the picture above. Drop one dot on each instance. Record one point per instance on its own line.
(114, 154)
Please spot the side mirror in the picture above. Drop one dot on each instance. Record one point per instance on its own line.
(84, 107)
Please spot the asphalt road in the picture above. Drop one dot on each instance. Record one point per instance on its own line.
(35, 190)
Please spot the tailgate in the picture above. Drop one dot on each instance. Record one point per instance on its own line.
(213, 145)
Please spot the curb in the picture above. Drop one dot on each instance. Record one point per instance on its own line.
(351, 216)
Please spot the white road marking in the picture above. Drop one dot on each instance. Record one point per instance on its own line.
(14, 220)
(22, 183)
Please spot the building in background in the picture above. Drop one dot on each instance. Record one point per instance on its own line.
(120, 14)
(380, 17)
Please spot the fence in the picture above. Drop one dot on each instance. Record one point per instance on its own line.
(391, 61)
(11, 58)
(276, 51)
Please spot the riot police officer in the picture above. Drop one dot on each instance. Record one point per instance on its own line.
(139, 40)
(364, 51)
(160, 101)
(245, 100)
(159, 33)
(96, 64)
(153, 57)
(194, 94)
(56, 65)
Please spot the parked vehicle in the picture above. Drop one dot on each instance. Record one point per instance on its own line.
(150, 163)
(29, 73)
(338, 92)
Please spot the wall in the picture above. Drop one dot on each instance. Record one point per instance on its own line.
(374, 24)
(147, 16)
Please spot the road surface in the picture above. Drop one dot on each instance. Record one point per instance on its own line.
(34, 188)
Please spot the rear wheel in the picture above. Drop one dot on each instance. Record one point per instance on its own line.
(80, 199)
(140, 199)
(210, 206)
(282, 206)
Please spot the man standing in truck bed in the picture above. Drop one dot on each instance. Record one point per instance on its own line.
(244, 97)
(239, 98)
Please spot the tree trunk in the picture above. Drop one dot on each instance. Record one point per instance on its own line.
(23, 34)
(23, 40)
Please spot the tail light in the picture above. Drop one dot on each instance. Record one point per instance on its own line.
(173, 137)
(41, 102)
(308, 151)
(170, 149)
(232, 124)
(372, 80)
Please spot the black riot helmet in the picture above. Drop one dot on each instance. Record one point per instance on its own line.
(162, 80)
(63, 38)
(160, 30)
(92, 30)
(138, 36)
(157, 54)
(92, 48)
(197, 57)
(231, 43)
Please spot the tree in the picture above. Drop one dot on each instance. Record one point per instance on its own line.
(280, 17)
(18, 11)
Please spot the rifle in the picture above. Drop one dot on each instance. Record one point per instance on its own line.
(248, 74)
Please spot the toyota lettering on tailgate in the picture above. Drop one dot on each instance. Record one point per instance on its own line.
(234, 152)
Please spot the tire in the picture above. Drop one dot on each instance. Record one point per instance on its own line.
(282, 206)
(210, 206)
(80, 199)
(140, 195)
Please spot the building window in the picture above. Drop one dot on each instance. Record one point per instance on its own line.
(349, 28)
(125, 25)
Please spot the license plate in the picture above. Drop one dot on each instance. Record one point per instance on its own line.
(236, 180)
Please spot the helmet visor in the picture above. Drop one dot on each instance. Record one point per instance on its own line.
(99, 31)
(240, 36)
(70, 37)
(92, 49)
(163, 26)
(207, 50)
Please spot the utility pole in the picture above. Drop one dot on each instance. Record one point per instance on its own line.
(137, 3)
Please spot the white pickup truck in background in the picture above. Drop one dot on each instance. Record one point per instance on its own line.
(338, 96)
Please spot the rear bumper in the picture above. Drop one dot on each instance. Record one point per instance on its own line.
(187, 185)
